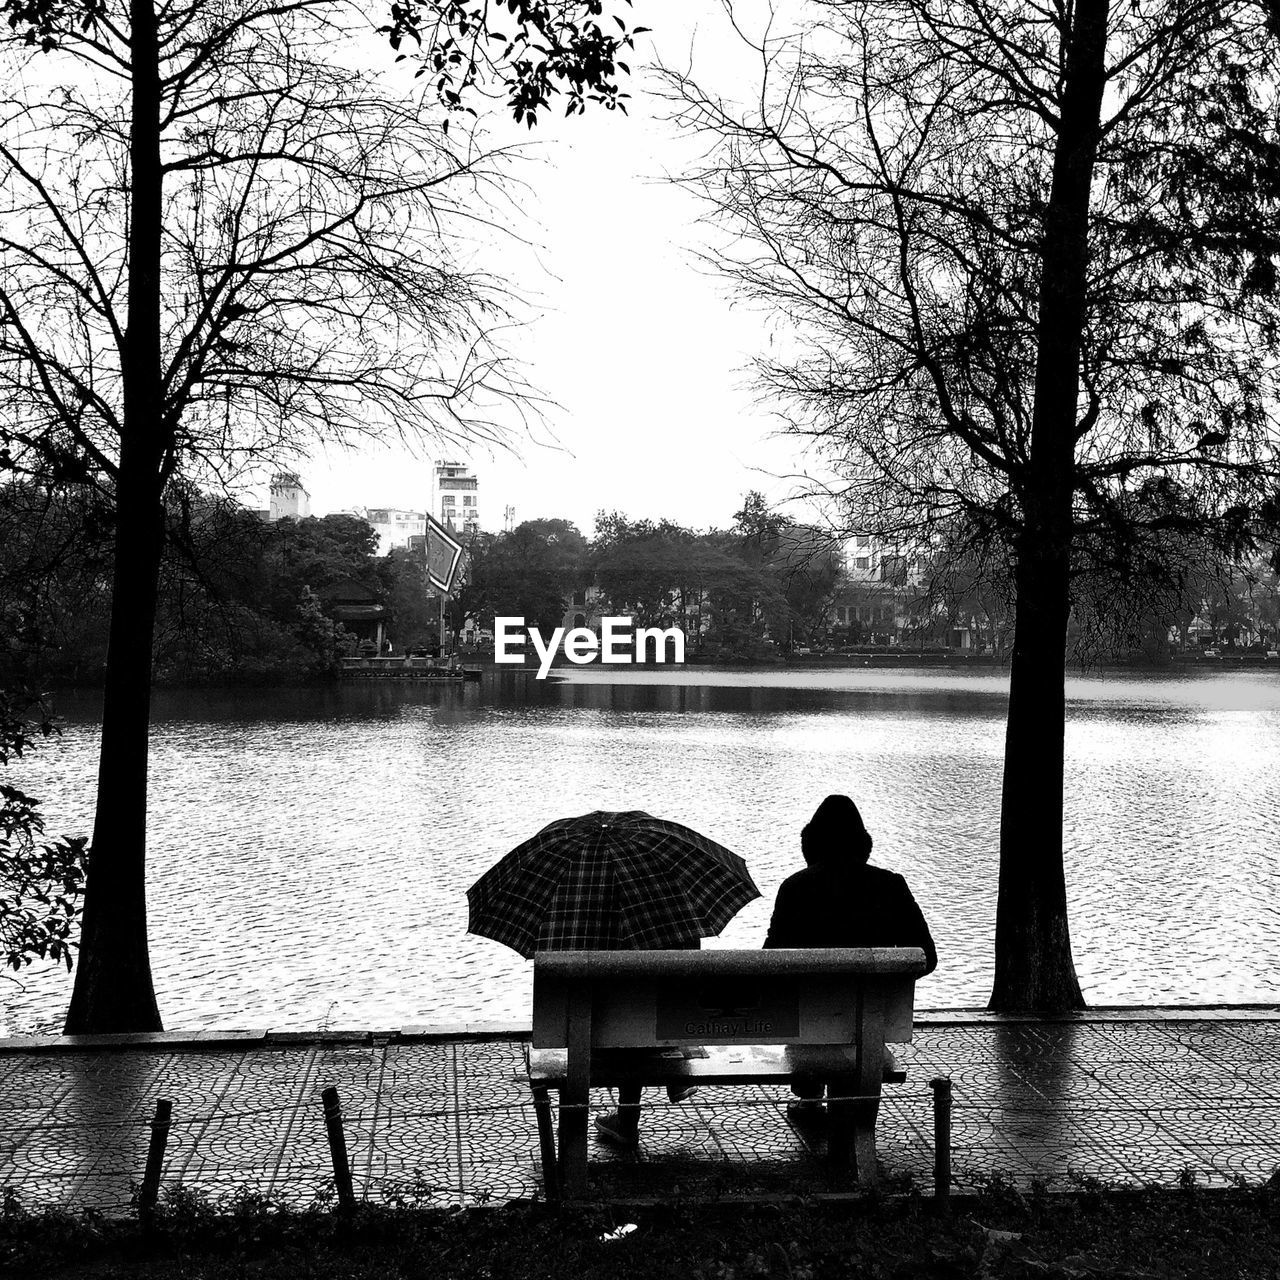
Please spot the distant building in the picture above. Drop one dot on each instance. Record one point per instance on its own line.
(454, 501)
(584, 609)
(394, 526)
(355, 605)
(289, 499)
(878, 603)
(457, 498)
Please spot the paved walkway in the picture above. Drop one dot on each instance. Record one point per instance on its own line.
(443, 1117)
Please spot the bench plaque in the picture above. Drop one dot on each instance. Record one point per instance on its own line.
(725, 1011)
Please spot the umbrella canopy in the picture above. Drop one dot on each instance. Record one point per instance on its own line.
(609, 882)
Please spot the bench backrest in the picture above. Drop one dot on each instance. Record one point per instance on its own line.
(634, 999)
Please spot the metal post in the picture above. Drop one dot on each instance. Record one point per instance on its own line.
(338, 1148)
(941, 1087)
(150, 1190)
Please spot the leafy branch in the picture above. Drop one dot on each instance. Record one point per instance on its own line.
(41, 882)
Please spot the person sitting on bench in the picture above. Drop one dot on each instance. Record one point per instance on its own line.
(621, 1128)
(840, 901)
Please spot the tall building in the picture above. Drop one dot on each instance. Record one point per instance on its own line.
(289, 499)
(456, 502)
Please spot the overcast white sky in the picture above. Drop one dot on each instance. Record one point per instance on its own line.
(656, 415)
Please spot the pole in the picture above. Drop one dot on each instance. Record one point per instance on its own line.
(941, 1087)
(338, 1148)
(443, 595)
(150, 1190)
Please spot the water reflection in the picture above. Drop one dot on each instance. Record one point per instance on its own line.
(769, 700)
(310, 849)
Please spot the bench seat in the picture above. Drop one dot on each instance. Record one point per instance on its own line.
(710, 1065)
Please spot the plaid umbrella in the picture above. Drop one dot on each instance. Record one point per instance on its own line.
(609, 882)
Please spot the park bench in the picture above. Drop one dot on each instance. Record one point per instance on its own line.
(717, 1018)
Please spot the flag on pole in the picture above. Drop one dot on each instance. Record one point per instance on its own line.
(443, 553)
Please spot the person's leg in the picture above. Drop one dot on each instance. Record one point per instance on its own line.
(629, 1107)
(807, 1106)
(622, 1127)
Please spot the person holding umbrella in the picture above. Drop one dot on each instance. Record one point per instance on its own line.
(838, 900)
(611, 881)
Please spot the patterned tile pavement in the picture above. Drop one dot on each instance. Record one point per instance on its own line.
(444, 1117)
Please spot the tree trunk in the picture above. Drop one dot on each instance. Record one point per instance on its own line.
(1034, 968)
(1033, 964)
(113, 987)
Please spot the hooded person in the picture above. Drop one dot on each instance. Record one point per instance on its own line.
(838, 900)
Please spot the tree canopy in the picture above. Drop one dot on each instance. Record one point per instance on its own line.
(544, 49)
(1026, 257)
(221, 241)
(530, 572)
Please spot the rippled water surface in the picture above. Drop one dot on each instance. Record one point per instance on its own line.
(310, 849)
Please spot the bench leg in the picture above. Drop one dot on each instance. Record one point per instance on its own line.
(852, 1142)
(547, 1144)
(575, 1095)
(866, 1166)
(573, 1141)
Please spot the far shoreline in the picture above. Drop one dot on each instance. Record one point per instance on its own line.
(883, 659)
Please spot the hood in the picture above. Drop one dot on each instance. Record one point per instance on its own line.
(835, 834)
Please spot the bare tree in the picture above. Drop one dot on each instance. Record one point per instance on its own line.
(1012, 305)
(221, 237)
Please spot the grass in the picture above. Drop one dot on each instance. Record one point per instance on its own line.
(1091, 1231)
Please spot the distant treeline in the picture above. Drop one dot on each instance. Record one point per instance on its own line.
(730, 590)
(243, 599)
(246, 600)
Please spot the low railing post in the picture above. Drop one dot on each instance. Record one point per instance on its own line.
(338, 1148)
(150, 1189)
(941, 1087)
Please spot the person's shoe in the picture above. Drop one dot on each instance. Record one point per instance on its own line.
(610, 1129)
(681, 1092)
(806, 1112)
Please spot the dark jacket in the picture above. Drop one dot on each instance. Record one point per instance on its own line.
(840, 903)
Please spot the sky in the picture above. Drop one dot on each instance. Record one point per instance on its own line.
(643, 351)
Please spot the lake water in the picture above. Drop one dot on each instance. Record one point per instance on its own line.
(310, 849)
